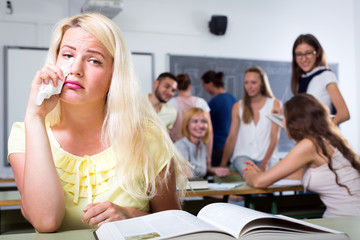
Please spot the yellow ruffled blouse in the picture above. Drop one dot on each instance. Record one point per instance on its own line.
(88, 179)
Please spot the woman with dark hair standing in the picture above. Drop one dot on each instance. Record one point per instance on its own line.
(220, 111)
(310, 74)
(331, 167)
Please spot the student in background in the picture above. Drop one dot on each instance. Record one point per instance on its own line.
(94, 153)
(182, 103)
(253, 136)
(331, 167)
(310, 74)
(220, 112)
(164, 89)
(195, 132)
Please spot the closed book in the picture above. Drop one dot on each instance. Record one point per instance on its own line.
(196, 183)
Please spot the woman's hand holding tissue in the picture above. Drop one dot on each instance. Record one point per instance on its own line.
(45, 75)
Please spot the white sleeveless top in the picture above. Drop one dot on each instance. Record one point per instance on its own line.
(317, 86)
(253, 140)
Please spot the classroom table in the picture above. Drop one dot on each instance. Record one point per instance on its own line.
(248, 192)
(243, 189)
(349, 225)
(9, 198)
(7, 184)
(12, 198)
(7, 180)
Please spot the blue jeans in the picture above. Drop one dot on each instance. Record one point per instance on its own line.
(239, 163)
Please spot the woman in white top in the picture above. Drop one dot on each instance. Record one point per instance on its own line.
(331, 167)
(252, 135)
(310, 74)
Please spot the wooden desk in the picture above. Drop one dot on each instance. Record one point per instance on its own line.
(7, 184)
(247, 192)
(9, 198)
(349, 225)
(244, 189)
(7, 180)
(12, 198)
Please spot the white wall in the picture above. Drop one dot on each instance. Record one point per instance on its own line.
(257, 29)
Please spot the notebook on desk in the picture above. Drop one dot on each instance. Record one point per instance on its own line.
(197, 183)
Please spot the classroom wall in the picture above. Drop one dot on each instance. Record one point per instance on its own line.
(257, 29)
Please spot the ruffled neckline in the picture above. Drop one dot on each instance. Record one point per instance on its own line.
(84, 176)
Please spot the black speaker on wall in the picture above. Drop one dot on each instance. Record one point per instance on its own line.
(218, 24)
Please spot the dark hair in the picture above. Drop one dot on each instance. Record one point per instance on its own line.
(215, 78)
(296, 70)
(164, 75)
(183, 81)
(306, 117)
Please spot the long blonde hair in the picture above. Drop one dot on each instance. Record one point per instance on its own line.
(128, 120)
(248, 115)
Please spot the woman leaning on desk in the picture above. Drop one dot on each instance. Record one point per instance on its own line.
(331, 167)
(310, 74)
(94, 153)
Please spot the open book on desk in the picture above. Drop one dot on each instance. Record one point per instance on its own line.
(276, 118)
(215, 221)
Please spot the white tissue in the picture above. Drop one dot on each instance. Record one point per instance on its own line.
(47, 90)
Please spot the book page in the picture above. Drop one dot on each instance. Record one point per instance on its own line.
(229, 217)
(240, 221)
(159, 225)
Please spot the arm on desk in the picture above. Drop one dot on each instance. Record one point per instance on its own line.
(165, 199)
(301, 155)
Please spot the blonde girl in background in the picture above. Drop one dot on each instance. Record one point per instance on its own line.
(195, 132)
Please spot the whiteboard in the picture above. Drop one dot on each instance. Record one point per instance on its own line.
(144, 68)
(20, 66)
